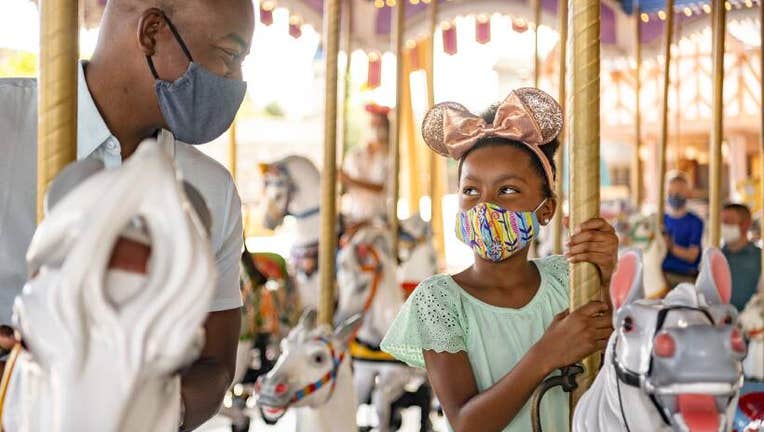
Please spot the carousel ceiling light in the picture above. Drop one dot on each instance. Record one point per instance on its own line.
(688, 11)
(662, 15)
(426, 1)
(391, 3)
(645, 17)
(379, 4)
(728, 6)
(415, 2)
(520, 25)
(748, 3)
(707, 8)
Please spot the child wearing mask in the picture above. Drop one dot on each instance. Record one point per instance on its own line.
(489, 335)
(684, 231)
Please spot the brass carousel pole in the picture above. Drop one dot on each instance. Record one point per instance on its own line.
(583, 123)
(536, 4)
(636, 161)
(663, 144)
(559, 158)
(719, 16)
(328, 244)
(57, 98)
(395, 154)
(437, 165)
(232, 150)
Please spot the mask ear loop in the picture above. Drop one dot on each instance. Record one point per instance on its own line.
(540, 204)
(180, 41)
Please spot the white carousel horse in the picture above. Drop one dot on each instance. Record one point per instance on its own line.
(417, 254)
(292, 188)
(672, 364)
(752, 321)
(103, 348)
(313, 376)
(366, 275)
(642, 233)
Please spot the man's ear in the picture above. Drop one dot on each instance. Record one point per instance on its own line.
(149, 25)
(547, 210)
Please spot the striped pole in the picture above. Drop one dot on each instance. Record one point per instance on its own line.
(663, 144)
(719, 16)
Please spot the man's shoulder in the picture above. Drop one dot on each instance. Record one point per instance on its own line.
(194, 163)
(18, 84)
(694, 218)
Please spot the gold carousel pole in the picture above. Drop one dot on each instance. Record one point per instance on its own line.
(437, 165)
(328, 237)
(719, 16)
(559, 158)
(232, 150)
(398, 27)
(57, 97)
(583, 123)
(663, 144)
(536, 4)
(636, 161)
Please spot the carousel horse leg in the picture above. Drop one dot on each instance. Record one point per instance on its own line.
(390, 386)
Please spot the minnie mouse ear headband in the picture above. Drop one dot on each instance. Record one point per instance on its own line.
(527, 115)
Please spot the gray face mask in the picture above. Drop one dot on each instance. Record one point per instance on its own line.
(199, 106)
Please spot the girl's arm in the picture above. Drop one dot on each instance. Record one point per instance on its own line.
(568, 339)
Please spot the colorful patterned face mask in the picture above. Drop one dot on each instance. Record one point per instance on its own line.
(495, 233)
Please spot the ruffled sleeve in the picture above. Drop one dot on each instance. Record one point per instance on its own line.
(429, 320)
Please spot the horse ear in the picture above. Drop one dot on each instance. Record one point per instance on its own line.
(715, 281)
(308, 319)
(626, 284)
(348, 328)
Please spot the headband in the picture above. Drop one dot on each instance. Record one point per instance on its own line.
(527, 115)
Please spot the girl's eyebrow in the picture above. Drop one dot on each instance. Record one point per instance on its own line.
(506, 177)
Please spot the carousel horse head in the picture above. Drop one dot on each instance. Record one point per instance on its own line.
(367, 280)
(416, 252)
(671, 364)
(121, 274)
(313, 361)
(290, 188)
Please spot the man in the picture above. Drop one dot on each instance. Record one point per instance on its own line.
(684, 231)
(170, 68)
(365, 171)
(743, 256)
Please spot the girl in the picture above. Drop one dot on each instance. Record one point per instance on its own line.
(488, 336)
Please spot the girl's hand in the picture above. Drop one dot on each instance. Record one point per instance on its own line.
(596, 242)
(574, 336)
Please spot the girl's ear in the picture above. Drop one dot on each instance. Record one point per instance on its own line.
(547, 210)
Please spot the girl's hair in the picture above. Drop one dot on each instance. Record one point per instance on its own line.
(548, 149)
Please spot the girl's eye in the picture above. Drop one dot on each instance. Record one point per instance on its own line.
(506, 190)
(470, 191)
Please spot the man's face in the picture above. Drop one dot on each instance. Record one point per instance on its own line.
(730, 217)
(678, 188)
(378, 127)
(217, 34)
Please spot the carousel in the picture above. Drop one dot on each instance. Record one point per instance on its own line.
(645, 88)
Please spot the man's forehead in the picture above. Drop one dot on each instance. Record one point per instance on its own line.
(229, 19)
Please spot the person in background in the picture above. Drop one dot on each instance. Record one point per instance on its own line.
(365, 171)
(684, 231)
(743, 256)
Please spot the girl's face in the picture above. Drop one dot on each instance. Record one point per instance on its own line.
(503, 175)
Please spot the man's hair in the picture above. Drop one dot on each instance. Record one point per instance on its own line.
(741, 209)
(677, 176)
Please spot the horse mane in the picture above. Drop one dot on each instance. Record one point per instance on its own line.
(156, 331)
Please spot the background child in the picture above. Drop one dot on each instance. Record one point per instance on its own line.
(489, 335)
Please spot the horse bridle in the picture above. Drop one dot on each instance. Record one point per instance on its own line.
(638, 380)
(291, 189)
(328, 378)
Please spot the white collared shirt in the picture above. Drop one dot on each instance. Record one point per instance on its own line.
(18, 178)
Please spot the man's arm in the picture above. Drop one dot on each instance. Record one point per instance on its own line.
(349, 181)
(690, 253)
(204, 384)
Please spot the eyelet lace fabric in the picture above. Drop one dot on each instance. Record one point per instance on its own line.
(429, 320)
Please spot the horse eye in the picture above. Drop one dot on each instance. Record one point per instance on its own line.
(318, 359)
(727, 320)
(628, 324)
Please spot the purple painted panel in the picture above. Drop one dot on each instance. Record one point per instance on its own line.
(607, 25)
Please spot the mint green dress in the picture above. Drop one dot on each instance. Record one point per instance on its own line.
(442, 317)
